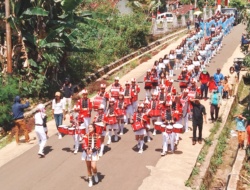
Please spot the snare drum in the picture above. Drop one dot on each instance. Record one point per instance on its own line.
(63, 129)
(158, 125)
(169, 129)
(97, 102)
(81, 130)
(127, 100)
(178, 128)
(137, 126)
(192, 94)
(84, 113)
(155, 113)
(114, 92)
(99, 127)
(111, 120)
(163, 128)
(71, 131)
(120, 112)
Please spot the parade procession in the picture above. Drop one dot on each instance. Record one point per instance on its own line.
(169, 100)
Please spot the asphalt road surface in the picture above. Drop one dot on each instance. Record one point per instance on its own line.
(121, 167)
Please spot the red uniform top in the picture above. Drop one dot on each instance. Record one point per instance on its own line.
(171, 89)
(128, 94)
(148, 81)
(135, 89)
(120, 107)
(85, 107)
(91, 141)
(184, 81)
(104, 95)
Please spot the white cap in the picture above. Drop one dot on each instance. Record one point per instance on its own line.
(133, 80)
(171, 80)
(141, 105)
(127, 83)
(84, 91)
(186, 90)
(116, 78)
(101, 107)
(40, 107)
(112, 99)
(103, 85)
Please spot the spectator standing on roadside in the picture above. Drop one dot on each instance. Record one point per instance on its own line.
(18, 117)
(58, 109)
(241, 129)
(218, 76)
(204, 79)
(40, 122)
(215, 103)
(199, 112)
(67, 94)
(188, 24)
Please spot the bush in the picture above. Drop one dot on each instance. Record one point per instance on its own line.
(9, 89)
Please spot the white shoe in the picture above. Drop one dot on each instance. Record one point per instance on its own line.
(121, 133)
(138, 145)
(149, 139)
(140, 151)
(96, 178)
(41, 154)
(154, 133)
(100, 154)
(116, 138)
(90, 183)
(75, 152)
(59, 136)
(163, 153)
(109, 141)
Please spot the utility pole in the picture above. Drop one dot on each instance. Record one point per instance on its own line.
(8, 37)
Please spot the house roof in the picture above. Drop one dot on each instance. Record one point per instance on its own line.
(183, 9)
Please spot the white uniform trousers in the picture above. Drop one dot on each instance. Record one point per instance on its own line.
(86, 123)
(135, 105)
(168, 137)
(76, 138)
(129, 112)
(185, 122)
(42, 138)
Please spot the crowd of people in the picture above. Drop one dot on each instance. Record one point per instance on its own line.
(165, 107)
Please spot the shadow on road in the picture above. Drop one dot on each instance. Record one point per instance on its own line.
(67, 149)
(48, 149)
(100, 177)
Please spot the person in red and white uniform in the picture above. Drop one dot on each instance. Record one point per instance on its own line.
(177, 117)
(194, 90)
(84, 106)
(184, 100)
(135, 89)
(170, 87)
(147, 118)
(167, 135)
(105, 95)
(91, 145)
(154, 78)
(128, 94)
(116, 87)
(110, 119)
(120, 109)
(148, 84)
(154, 110)
(139, 125)
(184, 79)
(162, 94)
(101, 125)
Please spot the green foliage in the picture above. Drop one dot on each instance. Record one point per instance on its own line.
(9, 89)
(239, 4)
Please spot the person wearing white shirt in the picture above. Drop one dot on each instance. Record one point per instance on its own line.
(58, 108)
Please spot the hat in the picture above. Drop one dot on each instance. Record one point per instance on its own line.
(40, 107)
(133, 80)
(146, 101)
(154, 93)
(121, 93)
(141, 106)
(103, 86)
(84, 91)
(171, 80)
(149, 71)
(66, 79)
(58, 94)
(193, 80)
(162, 86)
(127, 83)
(186, 91)
(112, 99)
(101, 107)
(116, 78)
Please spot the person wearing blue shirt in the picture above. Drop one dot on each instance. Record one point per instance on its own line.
(18, 117)
(241, 129)
(220, 88)
(218, 76)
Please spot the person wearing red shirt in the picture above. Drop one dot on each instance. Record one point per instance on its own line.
(91, 145)
(204, 80)
(135, 89)
(116, 87)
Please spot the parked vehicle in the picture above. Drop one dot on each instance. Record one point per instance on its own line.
(234, 11)
(160, 17)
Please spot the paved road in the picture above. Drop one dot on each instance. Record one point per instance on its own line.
(120, 168)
